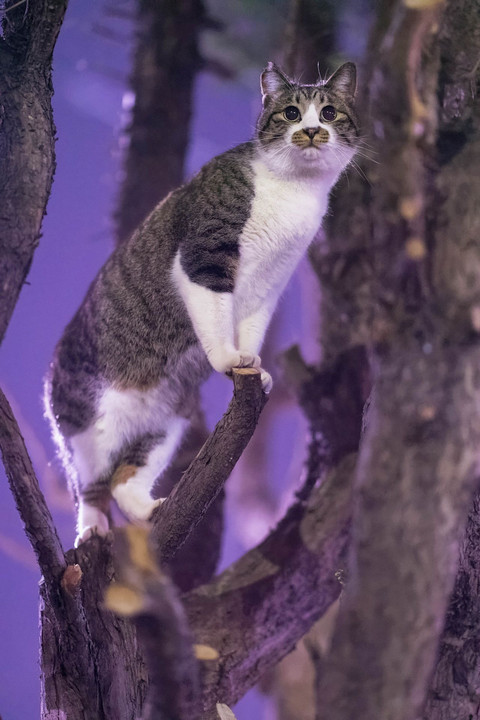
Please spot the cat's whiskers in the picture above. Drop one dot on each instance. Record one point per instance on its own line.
(352, 163)
(359, 151)
(366, 156)
(282, 156)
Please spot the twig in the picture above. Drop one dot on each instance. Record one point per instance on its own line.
(192, 496)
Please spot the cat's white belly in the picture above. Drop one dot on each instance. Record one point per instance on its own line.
(284, 219)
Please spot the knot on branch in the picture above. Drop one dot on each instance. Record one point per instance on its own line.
(71, 579)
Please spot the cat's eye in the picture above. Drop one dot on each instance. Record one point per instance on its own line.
(328, 113)
(291, 113)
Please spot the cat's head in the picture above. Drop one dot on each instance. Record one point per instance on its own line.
(308, 129)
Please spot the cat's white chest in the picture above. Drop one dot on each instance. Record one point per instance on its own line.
(284, 218)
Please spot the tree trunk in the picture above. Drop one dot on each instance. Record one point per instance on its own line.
(455, 687)
(166, 62)
(27, 138)
(419, 456)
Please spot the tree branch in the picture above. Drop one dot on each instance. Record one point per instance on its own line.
(257, 609)
(29, 499)
(188, 502)
(68, 670)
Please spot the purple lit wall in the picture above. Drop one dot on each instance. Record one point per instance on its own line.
(90, 74)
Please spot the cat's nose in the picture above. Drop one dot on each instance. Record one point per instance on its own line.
(311, 132)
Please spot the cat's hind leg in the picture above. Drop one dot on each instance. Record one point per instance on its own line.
(133, 479)
(92, 471)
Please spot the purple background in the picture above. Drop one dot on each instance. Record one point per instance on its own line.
(90, 73)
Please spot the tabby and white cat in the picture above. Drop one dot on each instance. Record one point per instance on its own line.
(193, 289)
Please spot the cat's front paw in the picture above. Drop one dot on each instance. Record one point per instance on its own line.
(224, 360)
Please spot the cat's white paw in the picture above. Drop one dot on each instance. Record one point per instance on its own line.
(89, 532)
(91, 521)
(223, 360)
(267, 382)
(135, 502)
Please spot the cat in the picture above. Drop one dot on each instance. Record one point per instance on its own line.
(193, 290)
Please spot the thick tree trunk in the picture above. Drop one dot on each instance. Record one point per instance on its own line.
(418, 461)
(416, 470)
(455, 687)
(92, 667)
(454, 690)
(27, 138)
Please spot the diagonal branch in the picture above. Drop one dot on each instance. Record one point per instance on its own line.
(29, 499)
(257, 609)
(192, 496)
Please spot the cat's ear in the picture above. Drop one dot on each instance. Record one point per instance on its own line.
(273, 81)
(344, 80)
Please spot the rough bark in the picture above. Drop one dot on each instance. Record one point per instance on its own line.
(455, 688)
(27, 138)
(418, 459)
(415, 476)
(166, 62)
(92, 668)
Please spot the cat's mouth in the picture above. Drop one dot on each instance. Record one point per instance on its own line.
(311, 152)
